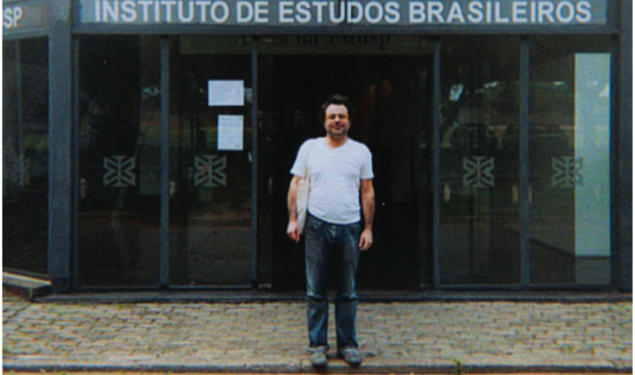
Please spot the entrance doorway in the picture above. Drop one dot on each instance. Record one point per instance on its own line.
(209, 233)
(389, 86)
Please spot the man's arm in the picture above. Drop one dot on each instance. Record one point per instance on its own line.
(292, 229)
(368, 208)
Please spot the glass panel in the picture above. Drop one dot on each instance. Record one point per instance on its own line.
(480, 242)
(210, 164)
(25, 155)
(570, 154)
(119, 151)
(387, 80)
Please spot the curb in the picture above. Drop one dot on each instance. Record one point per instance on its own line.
(332, 368)
(364, 296)
(26, 286)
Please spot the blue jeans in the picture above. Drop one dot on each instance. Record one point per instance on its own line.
(325, 241)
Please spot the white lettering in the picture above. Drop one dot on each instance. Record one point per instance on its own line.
(519, 12)
(224, 9)
(203, 4)
(244, 12)
(417, 12)
(475, 12)
(18, 13)
(333, 10)
(565, 16)
(168, 4)
(7, 18)
(318, 12)
(319, 7)
(303, 8)
(128, 11)
(145, 12)
(435, 10)
(584, 11)
(285, 12)
(533, 9)
(497, 14)
(545, 11)
(157, 12)
(359, 12)
(392, 12)
(181, 12)
(456, 13)
(111, 11)
(97, 11)
(261, 15)
(379, 12)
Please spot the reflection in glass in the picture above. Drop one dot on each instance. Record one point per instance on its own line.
(25, 155)
(570, 152)
(480, 241)
(119, 150)
(210, 165)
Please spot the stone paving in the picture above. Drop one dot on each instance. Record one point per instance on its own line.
(253, 337)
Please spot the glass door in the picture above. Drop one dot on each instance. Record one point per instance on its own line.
(118, 154)
(211, 157)
(480, 98)
(387, 79)
(210, 152)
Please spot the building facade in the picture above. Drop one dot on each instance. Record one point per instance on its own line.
(147, 143)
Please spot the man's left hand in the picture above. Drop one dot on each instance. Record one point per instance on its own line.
(366, 240)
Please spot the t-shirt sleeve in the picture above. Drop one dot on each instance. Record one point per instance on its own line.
(299, 166)
(367, 167)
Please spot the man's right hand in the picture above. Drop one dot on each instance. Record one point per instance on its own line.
(293, 231)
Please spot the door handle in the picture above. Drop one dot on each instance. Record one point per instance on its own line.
(516, 194)
(270, 185)
(83, 188)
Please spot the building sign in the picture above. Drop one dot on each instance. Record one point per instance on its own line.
(24, 15)
(514, 13)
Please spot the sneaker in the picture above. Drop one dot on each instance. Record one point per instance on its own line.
(351, 356)
(318, 360)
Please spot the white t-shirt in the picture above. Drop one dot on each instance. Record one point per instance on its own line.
(335, 175)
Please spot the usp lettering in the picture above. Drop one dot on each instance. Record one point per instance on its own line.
(11, 17)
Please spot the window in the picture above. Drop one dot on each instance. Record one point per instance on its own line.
(569, 160)
(25, 155)
(119, 152)
(480, 242)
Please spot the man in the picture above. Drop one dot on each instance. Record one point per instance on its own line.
(339, 168)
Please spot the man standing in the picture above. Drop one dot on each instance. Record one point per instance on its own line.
(338, 168)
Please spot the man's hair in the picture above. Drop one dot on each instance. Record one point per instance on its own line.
(338, 100)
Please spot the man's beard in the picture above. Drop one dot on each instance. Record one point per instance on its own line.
(337, 135)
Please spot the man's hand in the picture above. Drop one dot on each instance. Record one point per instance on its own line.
(293, 231)
(366, 240)
(368, 209)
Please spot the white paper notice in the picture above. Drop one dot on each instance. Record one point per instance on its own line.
(225, 93)
(230, 132)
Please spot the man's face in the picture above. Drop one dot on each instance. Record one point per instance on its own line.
(336, 121)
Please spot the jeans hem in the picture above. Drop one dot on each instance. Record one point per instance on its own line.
(318, 349)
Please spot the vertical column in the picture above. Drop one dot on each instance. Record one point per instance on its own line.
(623, 175)
(524, 164)
(164, 178)
(18, 97)
(254, 164)
(75, 186)
(436, 164)
(60, 141)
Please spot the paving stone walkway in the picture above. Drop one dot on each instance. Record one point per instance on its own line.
(271, 336)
